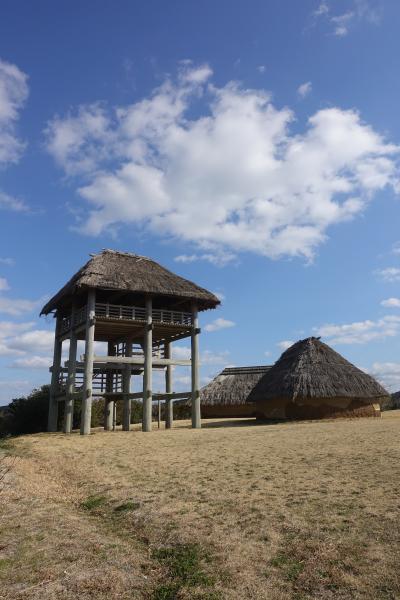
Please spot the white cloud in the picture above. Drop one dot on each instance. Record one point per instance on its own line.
(4, 284)
(391, 303)
(360, 10)
(13, 93)
(8, 202)
(16, 307)
(285, 344)
(390, 274)
(215, 358)
(261, 68)
(304, 89)
(181, 352)
(13, 389)
(388, 374)
(218, 259)
(218, 324)
(32, 362)
(396, 248)
(323, 9)
(234, 179)
(10, 262)
(360, 332)
(341, 23)
(37, 340)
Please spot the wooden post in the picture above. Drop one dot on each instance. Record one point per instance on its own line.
(109, 404)
(69, 401)
(148, 365)
(88, 365)
(169, 407)
(196, 415)
(55, 374)
(126, 388)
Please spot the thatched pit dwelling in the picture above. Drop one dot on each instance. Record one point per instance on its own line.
(312, 381)
(228, 394)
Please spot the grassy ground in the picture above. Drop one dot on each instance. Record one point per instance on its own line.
(236, 510)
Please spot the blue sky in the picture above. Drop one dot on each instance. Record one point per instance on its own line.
(252, 147)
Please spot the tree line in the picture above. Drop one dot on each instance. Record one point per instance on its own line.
(28, 414)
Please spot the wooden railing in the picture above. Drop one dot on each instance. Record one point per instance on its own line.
(138, 313)
(129, 313)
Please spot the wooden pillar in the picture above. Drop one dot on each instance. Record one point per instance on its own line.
(69, 401)
(126, 388)
(196, 415)
(169, 407)
(109, 404)
(55, 374)
(86, 416)
(148, 365)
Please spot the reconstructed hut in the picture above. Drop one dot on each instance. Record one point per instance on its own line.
(228, 394)
(312, 381)
(139, 308)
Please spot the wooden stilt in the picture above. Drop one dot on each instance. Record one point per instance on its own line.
(69, 402)
(109, 404)
(169, 407)
(147, 373)
(55, 373)
(196, 414)
(88, 367)
(126, 388)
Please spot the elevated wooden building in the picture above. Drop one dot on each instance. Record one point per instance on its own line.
(139, 309)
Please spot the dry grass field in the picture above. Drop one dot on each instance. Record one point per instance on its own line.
(234, 511)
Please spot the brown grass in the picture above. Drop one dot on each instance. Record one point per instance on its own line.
(287, 511)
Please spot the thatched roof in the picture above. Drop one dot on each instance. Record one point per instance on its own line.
(232, 386)
(311, 369)
(122, 271)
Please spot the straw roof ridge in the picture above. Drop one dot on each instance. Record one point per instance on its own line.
(312, 369)
(124, 271)
(232, 386)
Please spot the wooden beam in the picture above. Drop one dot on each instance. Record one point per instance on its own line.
(69, 401)
(126, 386)
(53, 404)
(148, 365)
(109, 404)
(168, 389)
(139, 395)
(138, 360)
(196, 415)
(86, 416)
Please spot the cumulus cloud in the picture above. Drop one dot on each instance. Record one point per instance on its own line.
(304, 89)
(388, 374)
(285, 344)
(360, 332)
(391, 303)
(233, 179)
(218, 324)
(389, 274)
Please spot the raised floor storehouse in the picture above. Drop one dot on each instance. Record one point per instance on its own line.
(138, 308)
